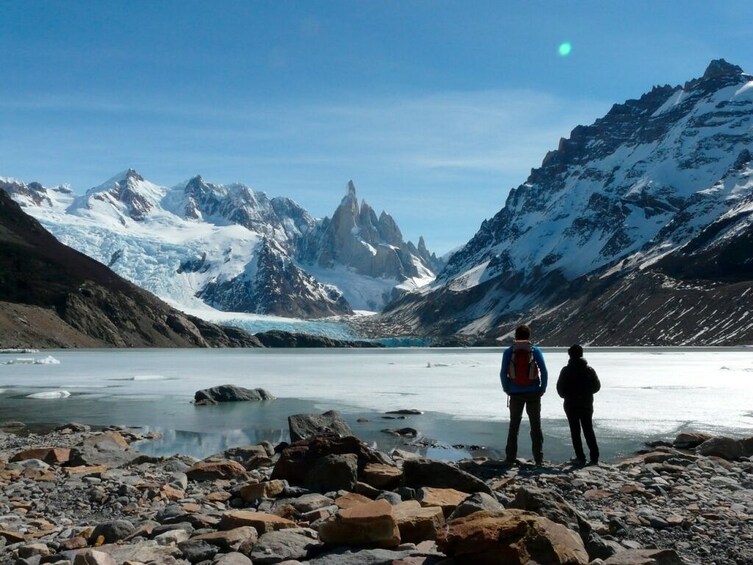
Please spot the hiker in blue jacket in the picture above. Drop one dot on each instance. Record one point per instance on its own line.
(524, 379)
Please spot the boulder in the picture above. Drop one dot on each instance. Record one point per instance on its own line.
(107, 441)
(267, 489)
(690, 440)
(333, 473)
(475, 503)
(427, 473)
(369, 525)
(550, 504)
(93, 557)
(233, 558)
(230, 539)
(303, 426)
(382, 476)
(229, 393)
(110, 532)
(195, 550)
(284, 545)
(351, 499)
(50, 455)
(213, 469)
(260, 521)
(418, 523)
(296, 459)
(511, 536)
(724, 447)
(447, 499)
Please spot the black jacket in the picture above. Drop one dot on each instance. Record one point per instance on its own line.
(578, 382)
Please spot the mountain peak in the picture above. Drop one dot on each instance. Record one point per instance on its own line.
(351, 189)
(721, 68)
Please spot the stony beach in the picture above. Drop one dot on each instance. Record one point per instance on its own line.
(80, 496)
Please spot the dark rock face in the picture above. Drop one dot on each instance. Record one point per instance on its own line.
(230, 393)
(304, 426)
(275, 285)
(86, 303)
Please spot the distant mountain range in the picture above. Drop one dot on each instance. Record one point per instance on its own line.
(232, 248)
(636, 230)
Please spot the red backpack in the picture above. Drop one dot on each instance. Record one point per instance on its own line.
(523, 370)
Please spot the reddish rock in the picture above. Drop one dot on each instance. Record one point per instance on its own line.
(86, 470)
(381, 476)
(351, 499)
(261, 521)
(418, 523)
(213, 469)
(446, 498)
(50, 455)
(230, 540)
(268, 489)
(371, 524)
(514, 537)
(11, 536)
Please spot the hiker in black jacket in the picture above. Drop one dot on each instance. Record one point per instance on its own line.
(577, 384)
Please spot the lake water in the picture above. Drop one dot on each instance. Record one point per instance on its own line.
(646, 394)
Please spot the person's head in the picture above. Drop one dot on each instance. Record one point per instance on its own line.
(575, 351)
(522, 333)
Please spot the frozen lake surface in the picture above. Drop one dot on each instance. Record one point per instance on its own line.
(646, 394)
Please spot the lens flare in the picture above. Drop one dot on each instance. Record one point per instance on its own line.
(565, 49)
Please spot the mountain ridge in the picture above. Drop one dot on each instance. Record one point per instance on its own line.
(617, 202)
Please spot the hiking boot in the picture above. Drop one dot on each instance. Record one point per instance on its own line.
(578, 461)
(593, 463)
(538, 462)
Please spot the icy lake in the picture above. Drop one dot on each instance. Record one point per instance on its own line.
(646, 394)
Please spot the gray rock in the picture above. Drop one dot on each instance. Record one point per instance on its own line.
(347, 556)
(392, 497)
(234, 558)
(303, 426)
(690, 440)
(93, 557)
(283, 545)
(475, 503)
(426, 473)
(112, 531)
(197, 550)
(646, 557)
(724, 447)
(230, 393)
(550, 504)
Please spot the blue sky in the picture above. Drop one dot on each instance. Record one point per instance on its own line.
(434, 108)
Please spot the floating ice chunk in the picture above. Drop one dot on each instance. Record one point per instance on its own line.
(50, 394)
(49, 360)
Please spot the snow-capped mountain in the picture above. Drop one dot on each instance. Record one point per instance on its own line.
(659, 185)
(224, 246)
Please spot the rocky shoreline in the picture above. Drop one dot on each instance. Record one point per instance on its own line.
(78, 496)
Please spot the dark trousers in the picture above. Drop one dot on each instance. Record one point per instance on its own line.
(580, 415)
(532, 404)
